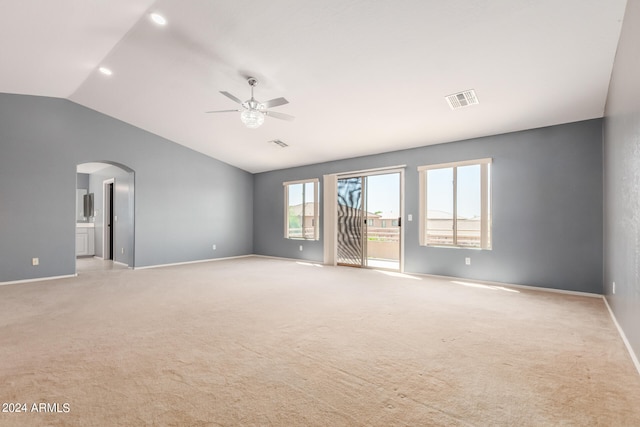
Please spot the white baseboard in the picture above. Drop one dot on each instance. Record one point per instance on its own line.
(634, 358)
(39, 279)
(512, 285)
(189, 262)
(286, 259)
(462, 279)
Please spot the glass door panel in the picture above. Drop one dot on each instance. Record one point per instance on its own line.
(350, 221)
(382, 230)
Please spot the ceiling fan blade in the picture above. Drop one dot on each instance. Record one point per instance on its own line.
(275, 102)
(281, 116)
(231, 97)
(222, 111)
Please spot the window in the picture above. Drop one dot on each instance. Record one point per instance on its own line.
(301, 209)
(455, 204)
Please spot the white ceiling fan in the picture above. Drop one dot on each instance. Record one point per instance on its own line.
(253, 112)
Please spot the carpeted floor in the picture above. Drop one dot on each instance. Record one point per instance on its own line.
(265, 342)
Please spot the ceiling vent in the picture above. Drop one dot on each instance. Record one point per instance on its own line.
(462, 99)
(278, 142)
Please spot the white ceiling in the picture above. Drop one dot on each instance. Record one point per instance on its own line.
(92, 167)
(361, 76)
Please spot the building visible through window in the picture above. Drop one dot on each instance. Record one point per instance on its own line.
(455, 205)
(301, 210)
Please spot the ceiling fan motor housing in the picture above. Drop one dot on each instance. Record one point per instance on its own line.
(252, 104)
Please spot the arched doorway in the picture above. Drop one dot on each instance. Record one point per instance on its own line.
(104, 216)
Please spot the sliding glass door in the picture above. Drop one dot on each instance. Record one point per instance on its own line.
(369, 221)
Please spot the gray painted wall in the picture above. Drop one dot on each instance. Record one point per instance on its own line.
(547, 208)
(184, 201)
(82, 181)
(622, 181)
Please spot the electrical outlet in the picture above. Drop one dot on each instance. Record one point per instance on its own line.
(409, 217)
(300, 247)
(213, 247)
(614, 288)
(467, 261)
(35, 261)
(122, 251)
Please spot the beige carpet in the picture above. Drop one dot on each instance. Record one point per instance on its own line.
(257, 341)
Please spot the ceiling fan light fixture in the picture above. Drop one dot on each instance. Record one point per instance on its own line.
(252, 118)
(253, 112)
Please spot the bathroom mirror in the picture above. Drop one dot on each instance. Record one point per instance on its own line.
(84, 205)
(80, 193)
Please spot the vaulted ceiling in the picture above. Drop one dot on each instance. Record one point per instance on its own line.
(361, 76)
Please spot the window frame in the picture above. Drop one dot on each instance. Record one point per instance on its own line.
(486, 241)
(316, 208)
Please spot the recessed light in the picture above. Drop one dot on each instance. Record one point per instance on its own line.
(158, 19)
(105, 71)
